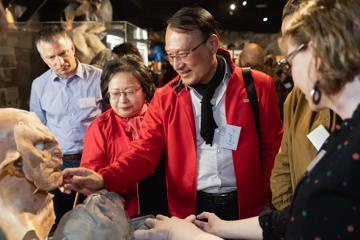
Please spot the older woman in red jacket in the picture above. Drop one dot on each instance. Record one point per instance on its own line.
(129, 89)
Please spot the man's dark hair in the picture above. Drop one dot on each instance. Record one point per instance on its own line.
(125, 49)
(49, 34)
(290, 7)
(192, 18)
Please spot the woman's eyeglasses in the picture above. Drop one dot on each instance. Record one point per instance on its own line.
(128, 93)
(284, 65)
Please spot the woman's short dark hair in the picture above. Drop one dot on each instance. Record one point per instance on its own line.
(125, 49)
(191, 18)
(132, 64)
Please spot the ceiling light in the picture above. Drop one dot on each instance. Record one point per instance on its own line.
(244, 3)
(265, 19)
(232, 6)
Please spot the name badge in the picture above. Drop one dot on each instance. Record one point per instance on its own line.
(87, 102)
(230, 138)
(318, 136)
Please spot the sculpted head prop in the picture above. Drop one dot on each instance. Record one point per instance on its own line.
(101, 216)
(28, 149)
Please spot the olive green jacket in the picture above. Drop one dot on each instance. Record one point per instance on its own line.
(296, 150)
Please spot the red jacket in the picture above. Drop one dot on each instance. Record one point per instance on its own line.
(105, 140)
(168, 127)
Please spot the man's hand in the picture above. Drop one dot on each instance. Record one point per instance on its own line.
(248, 228)
(209, 222)
(82, 180)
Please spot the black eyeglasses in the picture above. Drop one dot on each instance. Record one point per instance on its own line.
(183, 54)
(284, 65)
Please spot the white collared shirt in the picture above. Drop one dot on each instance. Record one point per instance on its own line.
(215, 173)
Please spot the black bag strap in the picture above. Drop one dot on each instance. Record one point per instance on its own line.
(251, 92)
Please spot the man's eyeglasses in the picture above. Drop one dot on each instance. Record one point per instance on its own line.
(128, 93)
(183, 54)
(284, 65)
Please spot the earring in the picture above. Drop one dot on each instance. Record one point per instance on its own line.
(316, 93)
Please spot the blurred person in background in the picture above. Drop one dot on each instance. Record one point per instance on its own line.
(253, 56)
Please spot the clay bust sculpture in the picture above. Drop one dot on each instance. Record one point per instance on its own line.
(30, 158)
(101, 216)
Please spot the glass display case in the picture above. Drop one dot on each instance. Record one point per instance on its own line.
(20, 62)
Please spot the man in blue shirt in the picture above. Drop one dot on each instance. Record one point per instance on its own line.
(66, 98)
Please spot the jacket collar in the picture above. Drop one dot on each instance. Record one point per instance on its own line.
(226, 54)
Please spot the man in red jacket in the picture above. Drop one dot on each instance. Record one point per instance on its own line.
(203, 122)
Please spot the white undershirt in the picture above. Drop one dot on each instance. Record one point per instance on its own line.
(215, 173)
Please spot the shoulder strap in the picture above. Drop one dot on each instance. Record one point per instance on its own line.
(251, 92)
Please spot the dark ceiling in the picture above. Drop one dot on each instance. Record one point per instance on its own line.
(152, 14)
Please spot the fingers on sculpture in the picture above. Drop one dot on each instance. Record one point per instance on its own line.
(30, 158)
(83, 180)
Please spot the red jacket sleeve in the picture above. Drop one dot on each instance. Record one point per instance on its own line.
(144, 153)
(94, 152)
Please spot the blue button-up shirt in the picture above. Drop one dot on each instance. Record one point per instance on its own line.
(67, 106)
